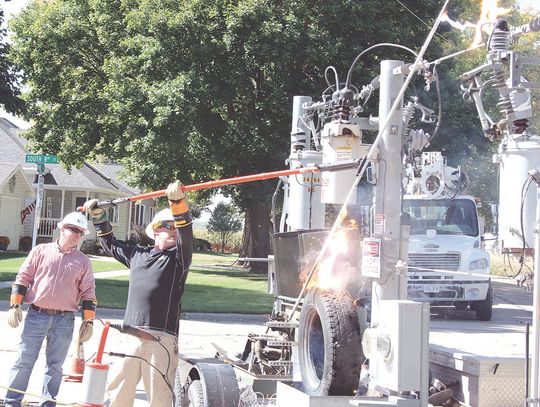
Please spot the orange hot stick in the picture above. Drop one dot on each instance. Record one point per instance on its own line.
(235, 180)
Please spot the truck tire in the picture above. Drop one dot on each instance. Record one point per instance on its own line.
(484, 309)
(208, 385)
(195, 395)
(329, 344)
(179, 390)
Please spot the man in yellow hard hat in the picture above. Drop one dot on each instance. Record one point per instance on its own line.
(157, 278)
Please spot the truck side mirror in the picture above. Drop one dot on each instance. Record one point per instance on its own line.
(481, 225)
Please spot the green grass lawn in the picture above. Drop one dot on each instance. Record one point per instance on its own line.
(509, 265)
(11, 261)
(207, 290)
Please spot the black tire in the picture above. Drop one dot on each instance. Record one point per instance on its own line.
(329, 344)
(195, 395)
(484, 309)
(210, 385)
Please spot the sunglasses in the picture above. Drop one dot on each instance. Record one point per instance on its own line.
(74, 230)
(167, 224)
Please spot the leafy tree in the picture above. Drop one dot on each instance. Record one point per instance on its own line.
(196, 89)
(225, 222)
(9, 76)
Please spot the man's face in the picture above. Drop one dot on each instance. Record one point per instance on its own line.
(70, 235)
(164, 235)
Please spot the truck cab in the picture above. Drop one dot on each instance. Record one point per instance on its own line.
(447, 265)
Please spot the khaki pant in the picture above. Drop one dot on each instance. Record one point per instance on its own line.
(124, 385)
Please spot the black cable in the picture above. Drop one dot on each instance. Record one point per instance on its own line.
(168, 364)
(524, 190)
(439, 102)
(328, 68)
(273, 207)
(123, 355)
(382, 44)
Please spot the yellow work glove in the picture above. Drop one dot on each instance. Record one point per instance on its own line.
(174, 191)
(15, 316)
(178, 205)
(86, 330)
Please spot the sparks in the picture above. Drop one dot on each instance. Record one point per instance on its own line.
(489, 13)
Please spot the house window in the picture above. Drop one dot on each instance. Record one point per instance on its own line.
(79, 202)
(48, 207)
(114, 214)
(151, 213)
(138, 214)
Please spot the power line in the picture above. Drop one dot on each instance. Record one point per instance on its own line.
(422, 21)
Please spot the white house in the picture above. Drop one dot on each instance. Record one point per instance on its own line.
(63, 192)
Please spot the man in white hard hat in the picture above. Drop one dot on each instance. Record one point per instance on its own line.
(157, 278)
(53, 279)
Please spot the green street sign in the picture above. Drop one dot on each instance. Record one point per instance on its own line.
(41, 159)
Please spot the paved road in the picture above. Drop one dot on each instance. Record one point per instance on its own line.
(198, 332)
(503, 336)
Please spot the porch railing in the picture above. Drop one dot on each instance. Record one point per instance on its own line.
(47, 227)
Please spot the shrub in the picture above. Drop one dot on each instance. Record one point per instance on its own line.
(4, 242)
(234, 244)
(25, 243)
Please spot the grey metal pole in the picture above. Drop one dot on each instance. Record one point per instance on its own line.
(300, 133)
(388, 190)
(39, 204)
(535, 354)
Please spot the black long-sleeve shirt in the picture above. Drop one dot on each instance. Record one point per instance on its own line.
(157, 279)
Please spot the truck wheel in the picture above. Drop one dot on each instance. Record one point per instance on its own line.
(329, 344)
(209, 385)
(179, 390)
(195, 395)
(484, 309)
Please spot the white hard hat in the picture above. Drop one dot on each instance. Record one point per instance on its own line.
(164, 214)
(76, 219)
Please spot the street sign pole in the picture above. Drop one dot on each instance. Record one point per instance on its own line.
(40, 160)
(39, 203)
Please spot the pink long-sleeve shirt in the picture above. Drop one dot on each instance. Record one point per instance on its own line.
(57, 280)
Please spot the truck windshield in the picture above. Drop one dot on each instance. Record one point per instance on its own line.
(446, 216)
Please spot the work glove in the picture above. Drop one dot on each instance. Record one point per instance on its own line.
(178, 205)
(98, 215)
(14, 316)
(174, 191)
(86, 330)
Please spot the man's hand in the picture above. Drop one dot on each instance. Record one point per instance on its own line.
(98, 215)
(86, 330)
(14, 316)
(174, 191)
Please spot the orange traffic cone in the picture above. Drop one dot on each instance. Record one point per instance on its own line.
(76, 364)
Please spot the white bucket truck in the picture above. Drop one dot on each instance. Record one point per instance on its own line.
(447, 264)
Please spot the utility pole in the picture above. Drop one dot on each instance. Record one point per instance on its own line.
(387, 222)
(534, 398)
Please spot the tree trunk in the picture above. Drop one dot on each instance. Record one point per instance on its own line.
(256, 237)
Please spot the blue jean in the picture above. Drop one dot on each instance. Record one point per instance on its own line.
(58, 330)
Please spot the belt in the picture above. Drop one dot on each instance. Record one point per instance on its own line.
(48, 311)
